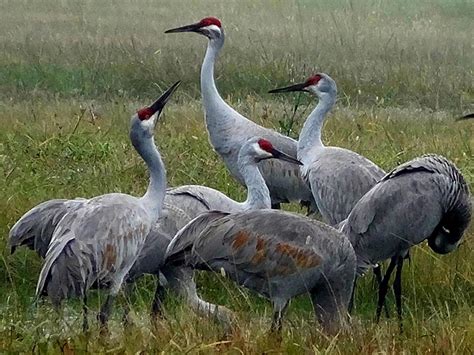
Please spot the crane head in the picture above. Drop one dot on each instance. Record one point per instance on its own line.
(147, 117)
(210, 27)
(264, 149)
(318, 84)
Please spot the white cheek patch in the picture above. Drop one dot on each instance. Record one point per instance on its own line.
(149, 123)
(260, 152)
(213, 28)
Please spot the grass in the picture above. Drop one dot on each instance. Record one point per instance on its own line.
(73, 73)
(391, 53)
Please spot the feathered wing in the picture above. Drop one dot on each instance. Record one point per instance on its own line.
(416, 201)
(35, 228)
(94, 245)
(196, 199)
(337, 190)
(182, 243)
(253, 247)
(151, 257)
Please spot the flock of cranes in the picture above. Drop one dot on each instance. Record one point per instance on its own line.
(368, 216)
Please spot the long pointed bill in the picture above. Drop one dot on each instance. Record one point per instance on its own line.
(283, 156)
(163, 99)
(296, 87)
(466, 117)
(188, 28)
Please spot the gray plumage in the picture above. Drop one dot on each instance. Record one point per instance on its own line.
(195, 199)
(228, 130)
(35, 228)
(276, 254)
(186, 202)
(94, 245)
(426, 198)
(338, 177)
(97, 243)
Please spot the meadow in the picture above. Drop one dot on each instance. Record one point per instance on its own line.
(72, 73)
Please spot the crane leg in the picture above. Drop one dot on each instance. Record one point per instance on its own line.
(126, 308)
(278, 310)
(378, 279)
(276, 206)
(397, 288)
(350, 307)
(384, 287)
(105, 310)
(156, 306)
(85, 322)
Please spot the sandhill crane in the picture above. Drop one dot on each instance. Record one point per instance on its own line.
(276, 254)
(228, 130)
(194, 200)
(98, 242)
(426, 198)
(338, 177)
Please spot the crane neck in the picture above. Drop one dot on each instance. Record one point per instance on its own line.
(310, 136)
(214, 105)
(155, 194)
(258, 195)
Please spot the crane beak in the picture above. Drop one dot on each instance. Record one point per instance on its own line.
(195, 27)
(283, 156)
(296, 87)
(465, 117)
(160, 103)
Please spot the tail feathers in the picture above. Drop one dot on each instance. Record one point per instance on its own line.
(66, 271)
(180, 247)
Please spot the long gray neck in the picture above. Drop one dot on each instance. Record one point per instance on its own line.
(155, 194)
(310, 136)
(258, 195)
(214, 106)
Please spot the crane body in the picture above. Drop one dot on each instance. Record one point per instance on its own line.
(338, 177)
(228, 130)
(276, 254)
(426, 198)
(97, 243)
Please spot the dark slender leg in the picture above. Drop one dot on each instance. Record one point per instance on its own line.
(378, 279)
(276, 206)
(105, 310)
(156, 307)
(278, 310)
(397, 288)
(351, 301)
(276, 322)
(126, 308)
(85, 322)
(384, 287)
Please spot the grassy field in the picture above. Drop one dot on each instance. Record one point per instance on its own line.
(71, 73)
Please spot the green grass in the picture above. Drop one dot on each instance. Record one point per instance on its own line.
(73, 72)
(379, 51)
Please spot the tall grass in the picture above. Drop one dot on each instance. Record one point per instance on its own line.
(381, 52)
(58, 149)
